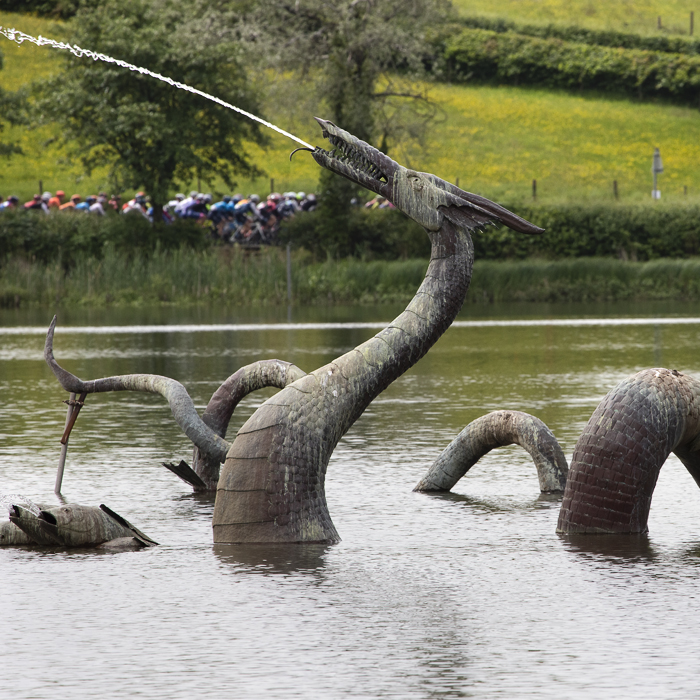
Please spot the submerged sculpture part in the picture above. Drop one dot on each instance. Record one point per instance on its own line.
(271, 487)
(497, 429)
(617, 459)
(71, 525)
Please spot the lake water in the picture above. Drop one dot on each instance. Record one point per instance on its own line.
(470, 594)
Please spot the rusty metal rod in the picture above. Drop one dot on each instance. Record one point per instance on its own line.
(76, 406)
(64, 448)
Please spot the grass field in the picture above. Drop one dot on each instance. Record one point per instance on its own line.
(634, 16)
(495, 140)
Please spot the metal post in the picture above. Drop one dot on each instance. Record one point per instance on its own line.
(692, 23)
(64, 447)
(534, 189)
(272, 185)
(615, 189)
(657, 167)
(289, 273)
(41, 187)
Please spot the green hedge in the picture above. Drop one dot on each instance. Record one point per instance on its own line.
(69, 237)
(482, 55)
(384, 234)
(580, 35)
(613, 231)
(641, 232)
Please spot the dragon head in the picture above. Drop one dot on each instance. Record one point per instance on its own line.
(425, 198)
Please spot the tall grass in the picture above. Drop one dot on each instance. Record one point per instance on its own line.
(585, 279)
(234, 278)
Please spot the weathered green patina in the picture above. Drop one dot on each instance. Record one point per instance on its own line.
(497, 429)
(271, 487)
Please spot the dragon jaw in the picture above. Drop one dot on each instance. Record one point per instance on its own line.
(425, 198)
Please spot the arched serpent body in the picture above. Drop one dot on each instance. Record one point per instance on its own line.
(617, 459)
(497, 429)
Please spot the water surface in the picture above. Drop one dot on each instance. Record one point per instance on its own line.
(470, 594)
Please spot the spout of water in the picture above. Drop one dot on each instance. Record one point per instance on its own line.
(20, 37)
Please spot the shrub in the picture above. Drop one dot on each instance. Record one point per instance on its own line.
(626, 232)
(614, 231)
(69, 237)
(581, 35)
(482, 55)
(384, 234)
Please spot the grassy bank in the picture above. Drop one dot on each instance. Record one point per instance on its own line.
(229, 277)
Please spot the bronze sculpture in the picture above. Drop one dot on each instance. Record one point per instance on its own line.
(271, 487)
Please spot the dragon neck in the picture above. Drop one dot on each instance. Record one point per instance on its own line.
(373, 365)
(271, 487)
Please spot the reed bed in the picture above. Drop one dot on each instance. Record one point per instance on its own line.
(234, 278)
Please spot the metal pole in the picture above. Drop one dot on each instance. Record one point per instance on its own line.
(692, 23)
(615, 189)
(534, 189)
(272, 185)
(289, 273)
(64, 447)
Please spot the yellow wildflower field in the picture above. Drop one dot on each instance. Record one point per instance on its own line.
(634, 16)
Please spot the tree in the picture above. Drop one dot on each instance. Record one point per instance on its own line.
(355, 51)
(150, 134)
(12, 105)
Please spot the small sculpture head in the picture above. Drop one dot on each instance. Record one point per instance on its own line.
(425, 198)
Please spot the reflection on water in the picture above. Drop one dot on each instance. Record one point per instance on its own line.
(470, 594)
(612, 548)
(272, 559)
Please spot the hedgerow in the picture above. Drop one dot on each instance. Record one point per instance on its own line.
(488, 56)
(613, 231)
(69, 237)
(603, 231)
(581, 35)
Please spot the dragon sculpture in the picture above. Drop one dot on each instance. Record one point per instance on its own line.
(270, 487)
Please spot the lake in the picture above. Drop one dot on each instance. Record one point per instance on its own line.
(470, 594)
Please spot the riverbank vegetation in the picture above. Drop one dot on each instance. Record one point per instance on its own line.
(231, 277)
(615, 231)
